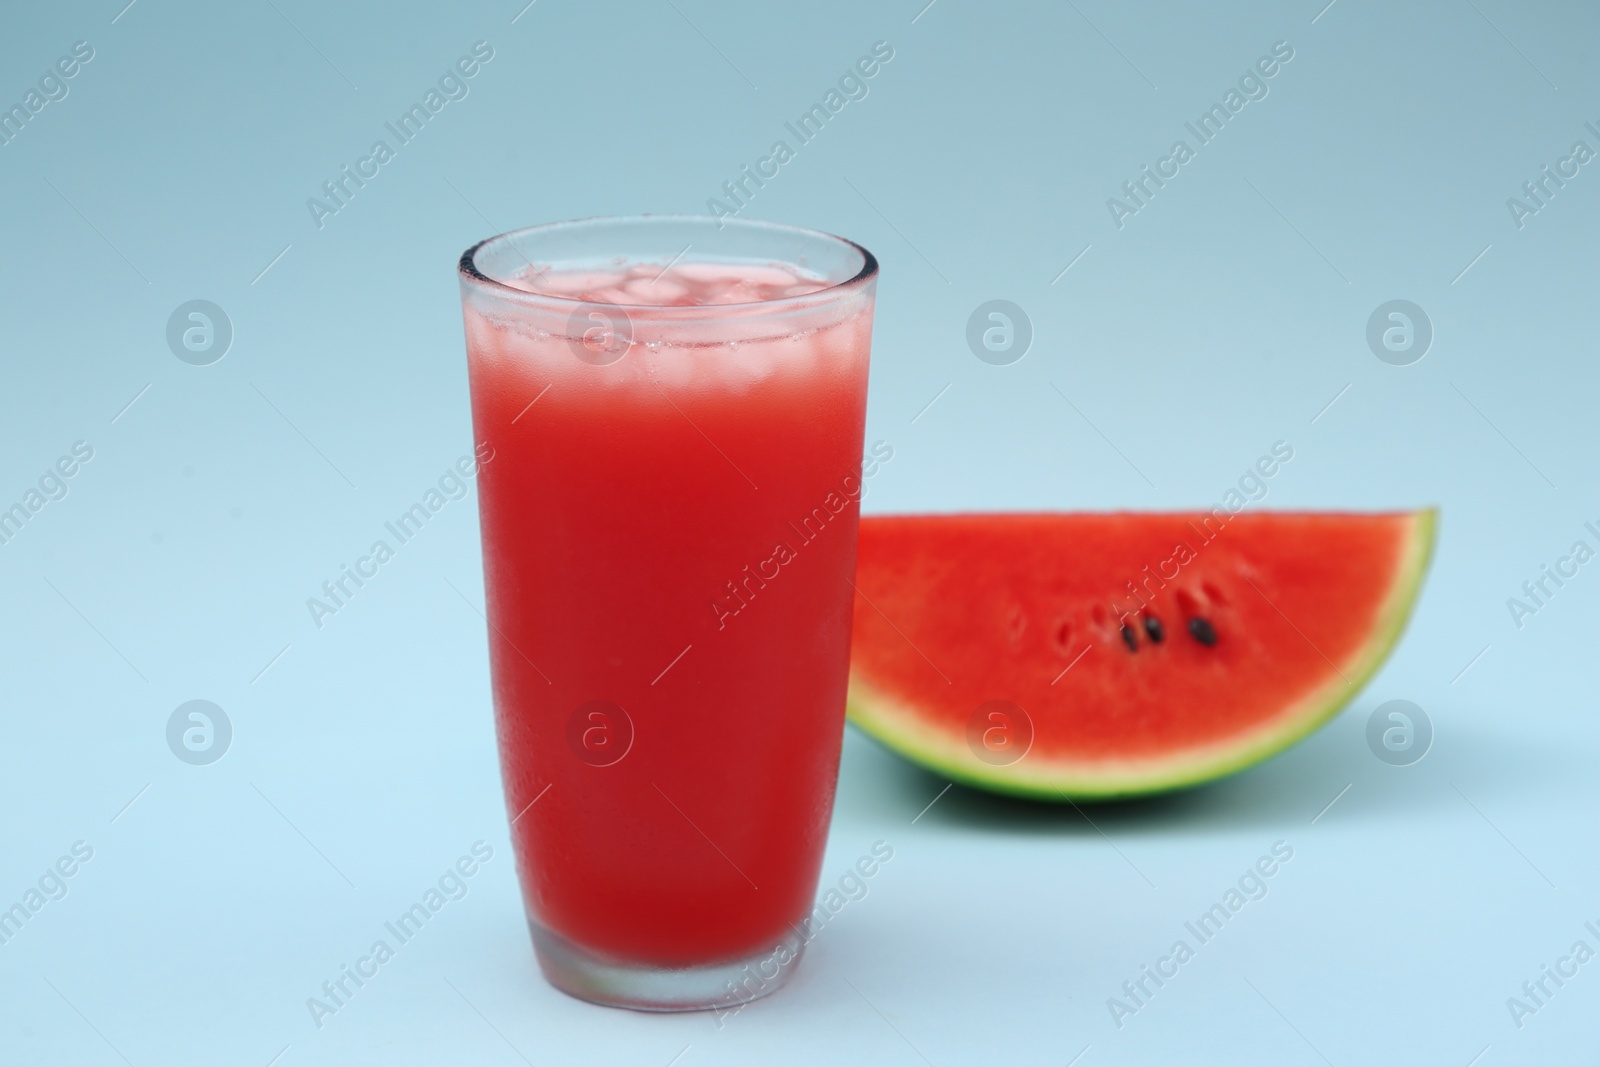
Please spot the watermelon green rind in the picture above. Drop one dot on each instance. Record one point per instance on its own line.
(902, 730)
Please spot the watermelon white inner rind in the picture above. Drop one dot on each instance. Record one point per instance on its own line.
(933, 743)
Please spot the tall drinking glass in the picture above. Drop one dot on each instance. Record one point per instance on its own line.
(674, 406)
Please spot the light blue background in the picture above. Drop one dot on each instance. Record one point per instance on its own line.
(1223, 317)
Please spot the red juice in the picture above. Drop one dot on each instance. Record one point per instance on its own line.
(669, 530)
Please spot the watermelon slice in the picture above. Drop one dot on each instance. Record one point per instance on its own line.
(1061, 656)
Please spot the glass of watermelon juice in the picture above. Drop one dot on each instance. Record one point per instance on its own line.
(674, 408)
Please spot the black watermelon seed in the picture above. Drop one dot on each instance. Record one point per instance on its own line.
(1129, 638)
(1203, 631)
(1152, 626)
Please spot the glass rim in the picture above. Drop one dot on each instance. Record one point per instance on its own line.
(470, 274)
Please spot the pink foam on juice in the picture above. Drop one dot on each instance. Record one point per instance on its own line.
(675, 285)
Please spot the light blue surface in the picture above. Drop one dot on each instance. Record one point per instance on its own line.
(1224, 316)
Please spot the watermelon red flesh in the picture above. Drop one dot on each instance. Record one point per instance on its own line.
(956, 611)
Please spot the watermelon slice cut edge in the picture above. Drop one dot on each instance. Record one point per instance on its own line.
(956, 614)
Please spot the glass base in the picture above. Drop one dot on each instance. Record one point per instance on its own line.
(583, 974)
